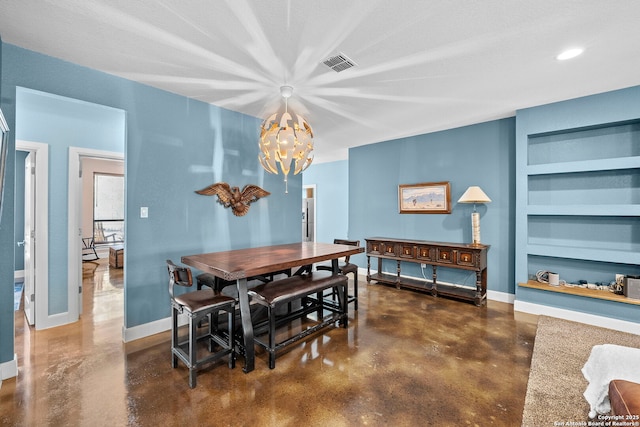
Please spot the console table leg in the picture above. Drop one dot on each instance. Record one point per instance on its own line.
(434, 288)
(481, 287)
(368, 269)
(398, 276)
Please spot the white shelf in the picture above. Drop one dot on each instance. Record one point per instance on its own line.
(569, 252)
(585, 166)
(584, 210)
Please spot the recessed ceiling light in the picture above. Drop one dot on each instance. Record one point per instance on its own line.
(569, 53)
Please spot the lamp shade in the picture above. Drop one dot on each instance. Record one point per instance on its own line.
(474, 194)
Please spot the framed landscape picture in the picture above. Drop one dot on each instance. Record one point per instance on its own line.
(428, 197)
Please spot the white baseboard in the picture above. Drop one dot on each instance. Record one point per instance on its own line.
(54, 320)
(146, 329)
(501, 296)
(9, 369)
(151, 328)
(576, 316)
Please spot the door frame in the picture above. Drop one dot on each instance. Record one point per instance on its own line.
(74, 228)
(41, 225)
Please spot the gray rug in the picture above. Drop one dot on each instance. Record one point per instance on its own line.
(555, 387)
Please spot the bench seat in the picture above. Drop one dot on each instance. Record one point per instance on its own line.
(299, 287)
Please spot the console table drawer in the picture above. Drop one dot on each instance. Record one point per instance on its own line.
(407, 251)
(445, 255)
(467, 258)
(424, 253)
(375, 248)
(389, 249)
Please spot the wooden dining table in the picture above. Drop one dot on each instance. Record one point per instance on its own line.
(241, 264)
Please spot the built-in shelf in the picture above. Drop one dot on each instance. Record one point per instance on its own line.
(588, 293)
(589, 254)
(619, 163)
(577, 204)
(584, 210)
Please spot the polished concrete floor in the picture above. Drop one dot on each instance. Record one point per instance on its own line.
(407, 359)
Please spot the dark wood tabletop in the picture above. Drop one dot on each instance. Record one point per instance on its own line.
(242, 263)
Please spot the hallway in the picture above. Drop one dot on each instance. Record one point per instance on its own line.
(406, 359)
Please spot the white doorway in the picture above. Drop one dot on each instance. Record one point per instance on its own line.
(309, 213)
(36, 235)
(75, 229)
(29, 238)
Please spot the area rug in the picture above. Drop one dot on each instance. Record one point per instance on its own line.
(556, 384)
(17, 294)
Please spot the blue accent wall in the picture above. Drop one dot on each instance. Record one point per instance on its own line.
(173, 146)
(481, 154)
(19, 208)
(332, 199)
(6, 236)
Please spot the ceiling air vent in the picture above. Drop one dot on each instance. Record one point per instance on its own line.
(339, 62)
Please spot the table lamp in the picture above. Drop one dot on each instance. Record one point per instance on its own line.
(474, 194)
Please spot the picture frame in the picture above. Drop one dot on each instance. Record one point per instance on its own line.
(425, 198)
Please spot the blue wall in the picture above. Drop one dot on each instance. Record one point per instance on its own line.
(332, 199)
(19, 208)
(174, 146)
(481, 154)
(6, 237)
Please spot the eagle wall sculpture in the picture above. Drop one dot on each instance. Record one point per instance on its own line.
(232, 197)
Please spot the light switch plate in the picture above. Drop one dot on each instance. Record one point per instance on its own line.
(144, 212)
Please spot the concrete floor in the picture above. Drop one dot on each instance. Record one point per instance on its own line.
(407, 359)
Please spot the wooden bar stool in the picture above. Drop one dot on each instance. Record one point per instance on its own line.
(198, 305)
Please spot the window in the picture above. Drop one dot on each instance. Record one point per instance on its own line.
(108, 208)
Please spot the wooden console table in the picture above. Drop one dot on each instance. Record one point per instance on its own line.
(462, 256)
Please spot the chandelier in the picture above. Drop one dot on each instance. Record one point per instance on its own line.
(285, 139)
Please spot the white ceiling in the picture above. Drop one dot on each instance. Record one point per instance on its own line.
(422, 65)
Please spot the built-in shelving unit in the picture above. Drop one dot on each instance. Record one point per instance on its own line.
(578, 194)
(589, 293)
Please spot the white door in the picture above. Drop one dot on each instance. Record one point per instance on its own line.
(309, 213)
(29, 238)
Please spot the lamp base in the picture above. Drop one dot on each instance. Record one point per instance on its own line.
(475, 227)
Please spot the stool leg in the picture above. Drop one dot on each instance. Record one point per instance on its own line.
(272, 338)
(193, 337)
(231, 327)
(355, 289)
(174, 336)
(211, 328)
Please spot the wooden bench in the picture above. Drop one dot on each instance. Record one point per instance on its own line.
(299, 287)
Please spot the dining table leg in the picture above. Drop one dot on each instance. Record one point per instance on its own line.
(247, 326)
